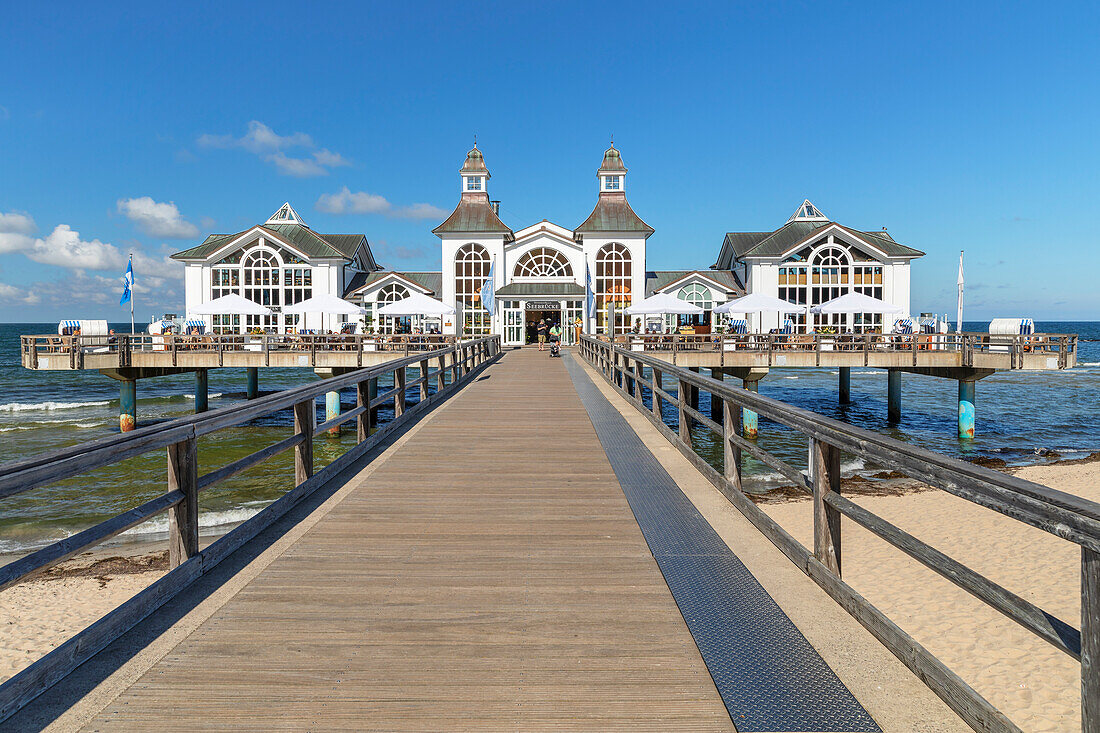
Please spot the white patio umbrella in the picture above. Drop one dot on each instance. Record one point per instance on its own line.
(758, 303)
(663, 303)
(416, 304)
(857, 303)
(231, 305)
(324, 304)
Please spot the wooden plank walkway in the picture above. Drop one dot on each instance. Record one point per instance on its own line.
(489, 574)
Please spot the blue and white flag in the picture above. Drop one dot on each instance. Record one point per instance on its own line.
(127, 282)
(589, 294)
(488, 291)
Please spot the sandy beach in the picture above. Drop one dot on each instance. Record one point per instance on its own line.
(1037, 686)
(38, 615)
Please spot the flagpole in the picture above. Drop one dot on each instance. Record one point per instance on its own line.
(959, 320)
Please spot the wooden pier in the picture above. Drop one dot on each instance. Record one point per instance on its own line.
(475, 564)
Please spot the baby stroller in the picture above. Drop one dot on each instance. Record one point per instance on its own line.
(555, 348)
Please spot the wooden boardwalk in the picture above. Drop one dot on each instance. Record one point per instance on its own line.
(488, 574)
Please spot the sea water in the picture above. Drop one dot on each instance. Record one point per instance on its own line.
(1021, 417)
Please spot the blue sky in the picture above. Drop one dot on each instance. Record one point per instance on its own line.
(142, 127)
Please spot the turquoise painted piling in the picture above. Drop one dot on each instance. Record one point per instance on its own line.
(748, 419)
(845, 385)
(332, 410)
(127, 405)
(893, 407)
(253, 383)
(966, 408)
(202, 390)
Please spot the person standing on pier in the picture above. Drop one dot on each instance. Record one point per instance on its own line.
(542, 331)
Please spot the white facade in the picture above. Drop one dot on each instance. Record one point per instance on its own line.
(539, 272)
(811, 260)
(275, 264)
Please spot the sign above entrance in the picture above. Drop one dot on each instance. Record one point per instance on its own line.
(542, 305)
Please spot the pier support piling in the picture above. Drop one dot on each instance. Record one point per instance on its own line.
(715, 401)
(845, 385)
(893, 408)
(332, 411)
(127, 405)
(748, 417)
(966, 407)
(202, 390)
(693, 392)
(253, 383)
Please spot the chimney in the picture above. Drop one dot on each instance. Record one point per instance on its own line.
(496, 207)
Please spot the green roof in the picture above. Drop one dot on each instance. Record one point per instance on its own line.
(524, 289)
(430, 281)
(659, 279)
(301, 238)
(473, 214)
(613, 214)
(737, 245)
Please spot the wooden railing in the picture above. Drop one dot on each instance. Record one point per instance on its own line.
(447, 367)
(1064, 346)
(1063, 515)
(75, 348)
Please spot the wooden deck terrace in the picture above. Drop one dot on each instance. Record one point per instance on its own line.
(164, 353)
(933, 354)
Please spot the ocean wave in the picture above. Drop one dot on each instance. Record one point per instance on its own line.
(207, 520)
(158, 525)
(32, 406)
(1088, 363)
(847, 468)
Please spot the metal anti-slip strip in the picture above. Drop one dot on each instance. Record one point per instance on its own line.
(768, 674)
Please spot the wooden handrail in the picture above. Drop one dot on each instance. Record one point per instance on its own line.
(1056, 512)
(24, 475)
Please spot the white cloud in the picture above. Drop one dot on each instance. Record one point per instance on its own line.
(16, 223)
(268, 145)
(64, 248)
(157, 219)
(9, 295)
(345, 201)
(419, 211)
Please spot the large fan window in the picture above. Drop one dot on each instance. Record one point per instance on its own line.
(543, 262)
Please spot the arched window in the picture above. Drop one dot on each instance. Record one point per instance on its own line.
(543, 262)
(697, 294)
(391, 294)
(261, 276)
(471, 269)
(613, 269)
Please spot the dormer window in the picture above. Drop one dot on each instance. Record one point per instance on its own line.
(611, 183)
(473, 183)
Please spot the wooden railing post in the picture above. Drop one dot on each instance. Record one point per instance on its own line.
(372, 413)
(731, 452)
(183, 518)
(639, 373)
(423, 379)
(441, 373)
(682, 397)
(400, 379)
(305, 420)
(362, 399)
(826, 479)
(655, 382)
(1090, 641)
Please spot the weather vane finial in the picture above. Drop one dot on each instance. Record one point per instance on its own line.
(475, 139)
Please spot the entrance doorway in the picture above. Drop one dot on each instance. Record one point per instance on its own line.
(531, 322)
